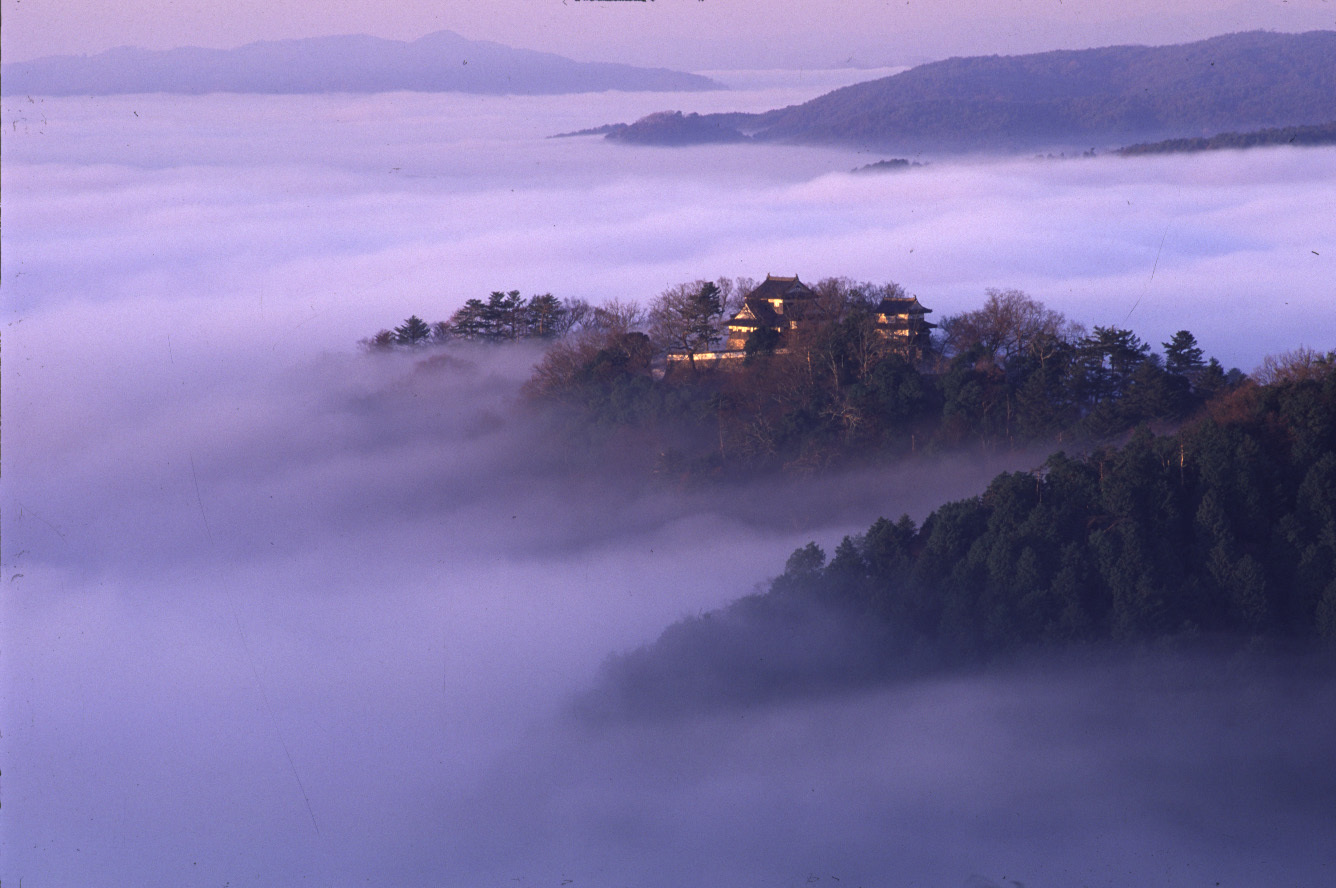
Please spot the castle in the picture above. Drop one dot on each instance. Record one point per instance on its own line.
(781, 304)
(781, 309)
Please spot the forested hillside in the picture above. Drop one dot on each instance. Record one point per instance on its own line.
(1009, 374)
(1297, 136)
(1223, 534)
(1082, 98)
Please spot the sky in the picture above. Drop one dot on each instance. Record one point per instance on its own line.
(691, 34)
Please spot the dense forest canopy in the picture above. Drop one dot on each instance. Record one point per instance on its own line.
(1222, 534)
(1009, 374)
(1185, 503)
(1313, 135)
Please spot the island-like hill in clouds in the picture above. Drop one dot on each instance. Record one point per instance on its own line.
(1318, 134)
(1082, 98)
(1218, 537)
(439, 62)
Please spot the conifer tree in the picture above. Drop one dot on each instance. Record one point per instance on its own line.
(1182, 357)
(413, 331)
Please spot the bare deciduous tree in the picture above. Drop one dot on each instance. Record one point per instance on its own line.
(687, 317)
(1294, 365)
(1010, 323)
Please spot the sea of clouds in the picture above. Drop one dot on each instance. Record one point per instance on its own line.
(277, 612)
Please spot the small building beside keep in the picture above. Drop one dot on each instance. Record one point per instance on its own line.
(901, 321)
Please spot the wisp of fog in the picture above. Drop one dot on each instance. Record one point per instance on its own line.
(279, 612)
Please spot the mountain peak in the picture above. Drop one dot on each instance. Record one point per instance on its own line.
(356, 63)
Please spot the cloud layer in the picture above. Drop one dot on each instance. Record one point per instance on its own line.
(277, 612)
(344, 214)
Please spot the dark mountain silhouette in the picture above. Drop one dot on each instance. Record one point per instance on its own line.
(440, 62)
(1108, 96)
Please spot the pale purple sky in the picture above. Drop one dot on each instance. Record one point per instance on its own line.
(692, 34)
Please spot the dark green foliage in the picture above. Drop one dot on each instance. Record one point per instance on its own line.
(762, 341)
(472, 321)
(895, 164)
(1224, 533)
(1014, 373)
(1005, 376)
(607, 378)
(974, 400)
(802, 572)
(1109, 356)
(1317, 134)
(504, 317)
(614, 383)
(895, 397)
(413, 331)
(543, 317)
(1228, 527)
(1182, 357)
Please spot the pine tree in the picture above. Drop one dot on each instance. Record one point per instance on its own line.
(470, 322)
(543, 316)
(411, 332)
(1182, 357)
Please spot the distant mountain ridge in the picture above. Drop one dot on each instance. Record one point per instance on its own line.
(1108, 96)
(439, 62)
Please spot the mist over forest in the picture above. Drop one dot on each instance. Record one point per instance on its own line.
(278, 611)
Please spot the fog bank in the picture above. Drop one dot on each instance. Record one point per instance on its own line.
(278, 612)
(324, 219)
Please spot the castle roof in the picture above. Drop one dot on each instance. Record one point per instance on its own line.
(758, 313)
(903, 312)
(758, 308)
(902, 305)
(785, 288)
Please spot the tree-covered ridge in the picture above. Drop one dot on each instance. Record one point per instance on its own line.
(1224, 531)
(837, 391)
(1006, 375)
(675, 128)
(894, 164)
(1101, 96)
(1228, 526)
(504, 317)
(1305, 136)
